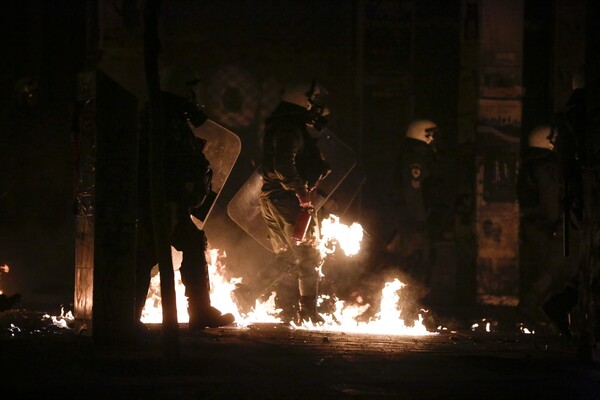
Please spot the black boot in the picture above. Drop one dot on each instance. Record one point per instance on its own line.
(287, 299)
(202, 314)
(197, 289)
(289, 307)
(207, 317)
(308, 310)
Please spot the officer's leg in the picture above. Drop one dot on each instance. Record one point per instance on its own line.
(416, 263)
(276, 275)
(563, 296)
(145, 261)
(192, 242)
(310, 262)
(286, 288)
(538, 290)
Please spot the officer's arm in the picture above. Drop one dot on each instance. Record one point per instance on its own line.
(549, 191)
(286, 146)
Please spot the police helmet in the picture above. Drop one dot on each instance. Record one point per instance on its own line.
(543, 137)
(313, 97)
(304, 94)
(423, 130)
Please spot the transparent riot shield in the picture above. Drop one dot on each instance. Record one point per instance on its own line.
(342, 198)
(244, 207)
(222, 150)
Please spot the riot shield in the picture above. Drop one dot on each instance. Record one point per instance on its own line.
(341, 200)
(244, 207)
(222, 150)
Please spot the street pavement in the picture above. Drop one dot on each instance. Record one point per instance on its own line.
(273, 361)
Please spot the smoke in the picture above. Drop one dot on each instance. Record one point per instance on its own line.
(245, 256)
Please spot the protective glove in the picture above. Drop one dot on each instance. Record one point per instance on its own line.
(304, 199)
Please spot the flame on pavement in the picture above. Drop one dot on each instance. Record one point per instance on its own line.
(345, 318)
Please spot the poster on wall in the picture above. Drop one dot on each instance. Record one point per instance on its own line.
(497, 232)
(500, 177)
(497, 227)
(496, 279)
(501, 82)
(499, 123)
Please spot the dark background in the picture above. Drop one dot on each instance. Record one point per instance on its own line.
(383, 66)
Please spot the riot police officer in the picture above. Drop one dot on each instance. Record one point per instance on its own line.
(188, 178)
(413, 205)
(292, 166)
(545, 269)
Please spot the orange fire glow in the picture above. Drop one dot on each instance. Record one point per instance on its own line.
(345, 318)
(3, 270)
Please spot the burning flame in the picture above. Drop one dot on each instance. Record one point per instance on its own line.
(345, 318)
(220, 294)
(3, 270)
(333, 232)
(387, 320)
(64, 320)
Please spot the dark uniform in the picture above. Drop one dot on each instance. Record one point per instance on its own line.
(545, 271)
(187, 182)
(413, 172)
(411, 244)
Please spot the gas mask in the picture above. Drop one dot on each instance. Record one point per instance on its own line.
(313, 98)
(425, 131)
(316, 115)
(552, 137)
(431, 134)
(193, 113)
(316, 119)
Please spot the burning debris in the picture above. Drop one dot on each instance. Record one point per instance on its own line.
(64, 320)
(17, 322)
